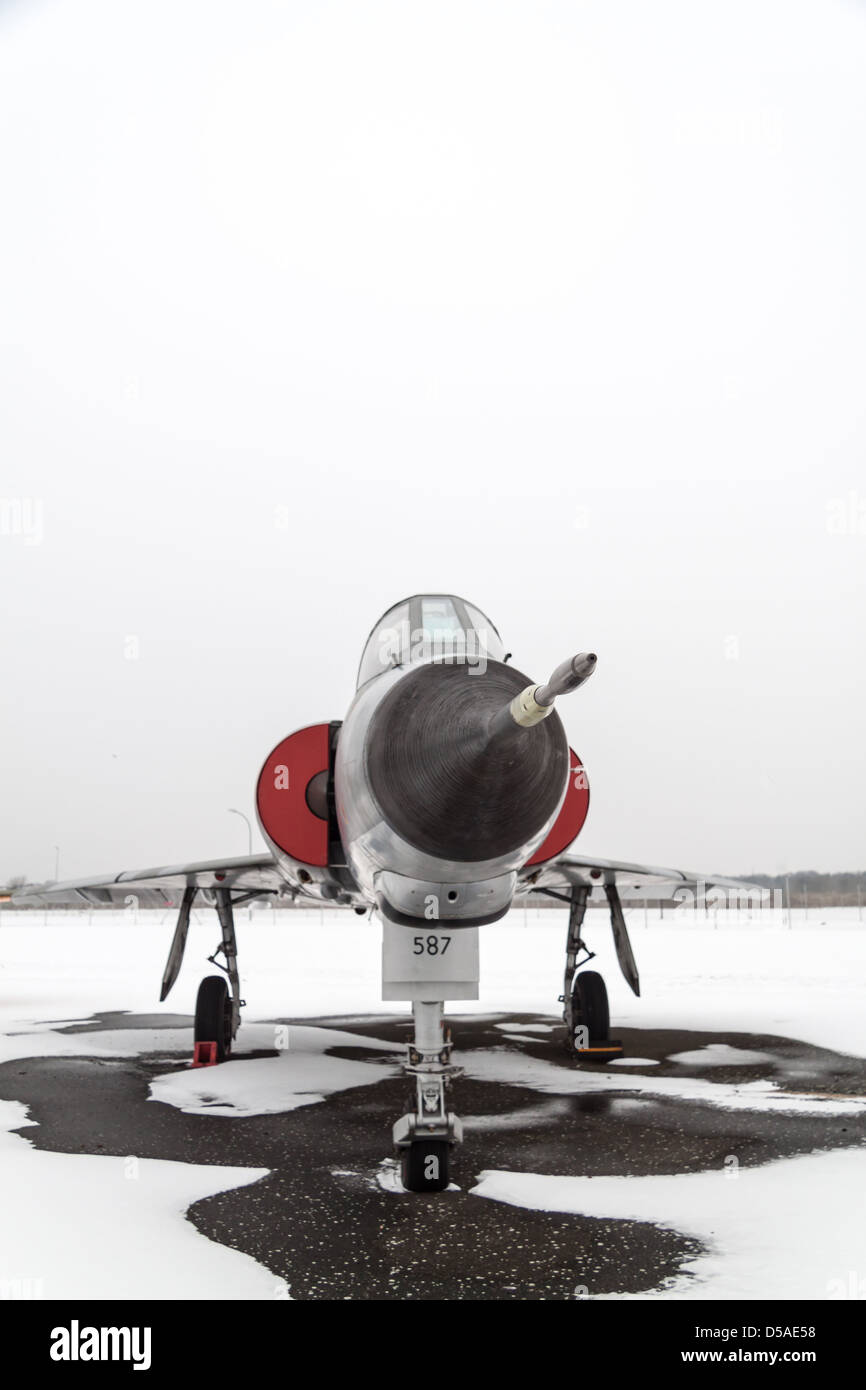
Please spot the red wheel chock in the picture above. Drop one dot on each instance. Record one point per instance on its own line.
(204, 1055)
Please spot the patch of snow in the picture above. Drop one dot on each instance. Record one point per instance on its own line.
(301, 1075)
(527, 1027)
(388, 1176)
(78, 1226)
(721, 1055)
(793, 1229)
(633, 1062)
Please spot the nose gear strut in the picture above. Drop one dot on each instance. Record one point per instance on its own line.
(426, 1135)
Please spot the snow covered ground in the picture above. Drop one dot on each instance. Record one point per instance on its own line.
(792, 1229)
(77, 1226)
(740, 974)
(732, 974)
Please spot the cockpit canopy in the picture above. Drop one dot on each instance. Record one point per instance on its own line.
(430, 627)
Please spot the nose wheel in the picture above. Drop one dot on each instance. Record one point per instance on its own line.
(425, 1165)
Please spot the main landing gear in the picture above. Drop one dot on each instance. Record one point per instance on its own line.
(218, 1003)
(426, 1135)
(585, 1014)
(213, 1022)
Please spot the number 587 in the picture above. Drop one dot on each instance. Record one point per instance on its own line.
(430, 945)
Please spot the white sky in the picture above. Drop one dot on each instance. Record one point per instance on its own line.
(305, 307)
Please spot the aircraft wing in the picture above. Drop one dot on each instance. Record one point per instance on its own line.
(632, 880)
(160, 887)
(625, 882)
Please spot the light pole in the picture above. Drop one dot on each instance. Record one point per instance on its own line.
(249, 827)
(788, 898)
(56, 863)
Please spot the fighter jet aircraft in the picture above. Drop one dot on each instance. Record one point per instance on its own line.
(448, 792)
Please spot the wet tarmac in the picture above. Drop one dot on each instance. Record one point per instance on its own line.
(330, 1219)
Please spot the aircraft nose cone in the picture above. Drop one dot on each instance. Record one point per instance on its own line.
(439, 782)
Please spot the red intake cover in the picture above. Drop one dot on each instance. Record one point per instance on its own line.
(281, 795)
(573, 813)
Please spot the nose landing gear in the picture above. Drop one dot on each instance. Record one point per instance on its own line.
(426, 1135)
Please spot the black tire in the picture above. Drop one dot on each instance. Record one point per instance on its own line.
(590, 1006)
(213, 1015)
(425, 1164)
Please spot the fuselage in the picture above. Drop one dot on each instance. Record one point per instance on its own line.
(421, 805)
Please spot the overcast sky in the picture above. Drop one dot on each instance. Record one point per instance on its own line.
(308, 306)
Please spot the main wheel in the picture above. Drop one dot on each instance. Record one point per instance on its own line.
(590, 1005)
(213, 1015)
(424, 1165)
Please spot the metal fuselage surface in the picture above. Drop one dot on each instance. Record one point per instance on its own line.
(441, 784)
(405, 881)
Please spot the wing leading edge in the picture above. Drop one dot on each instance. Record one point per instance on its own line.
(160, 887)
(633, 880)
